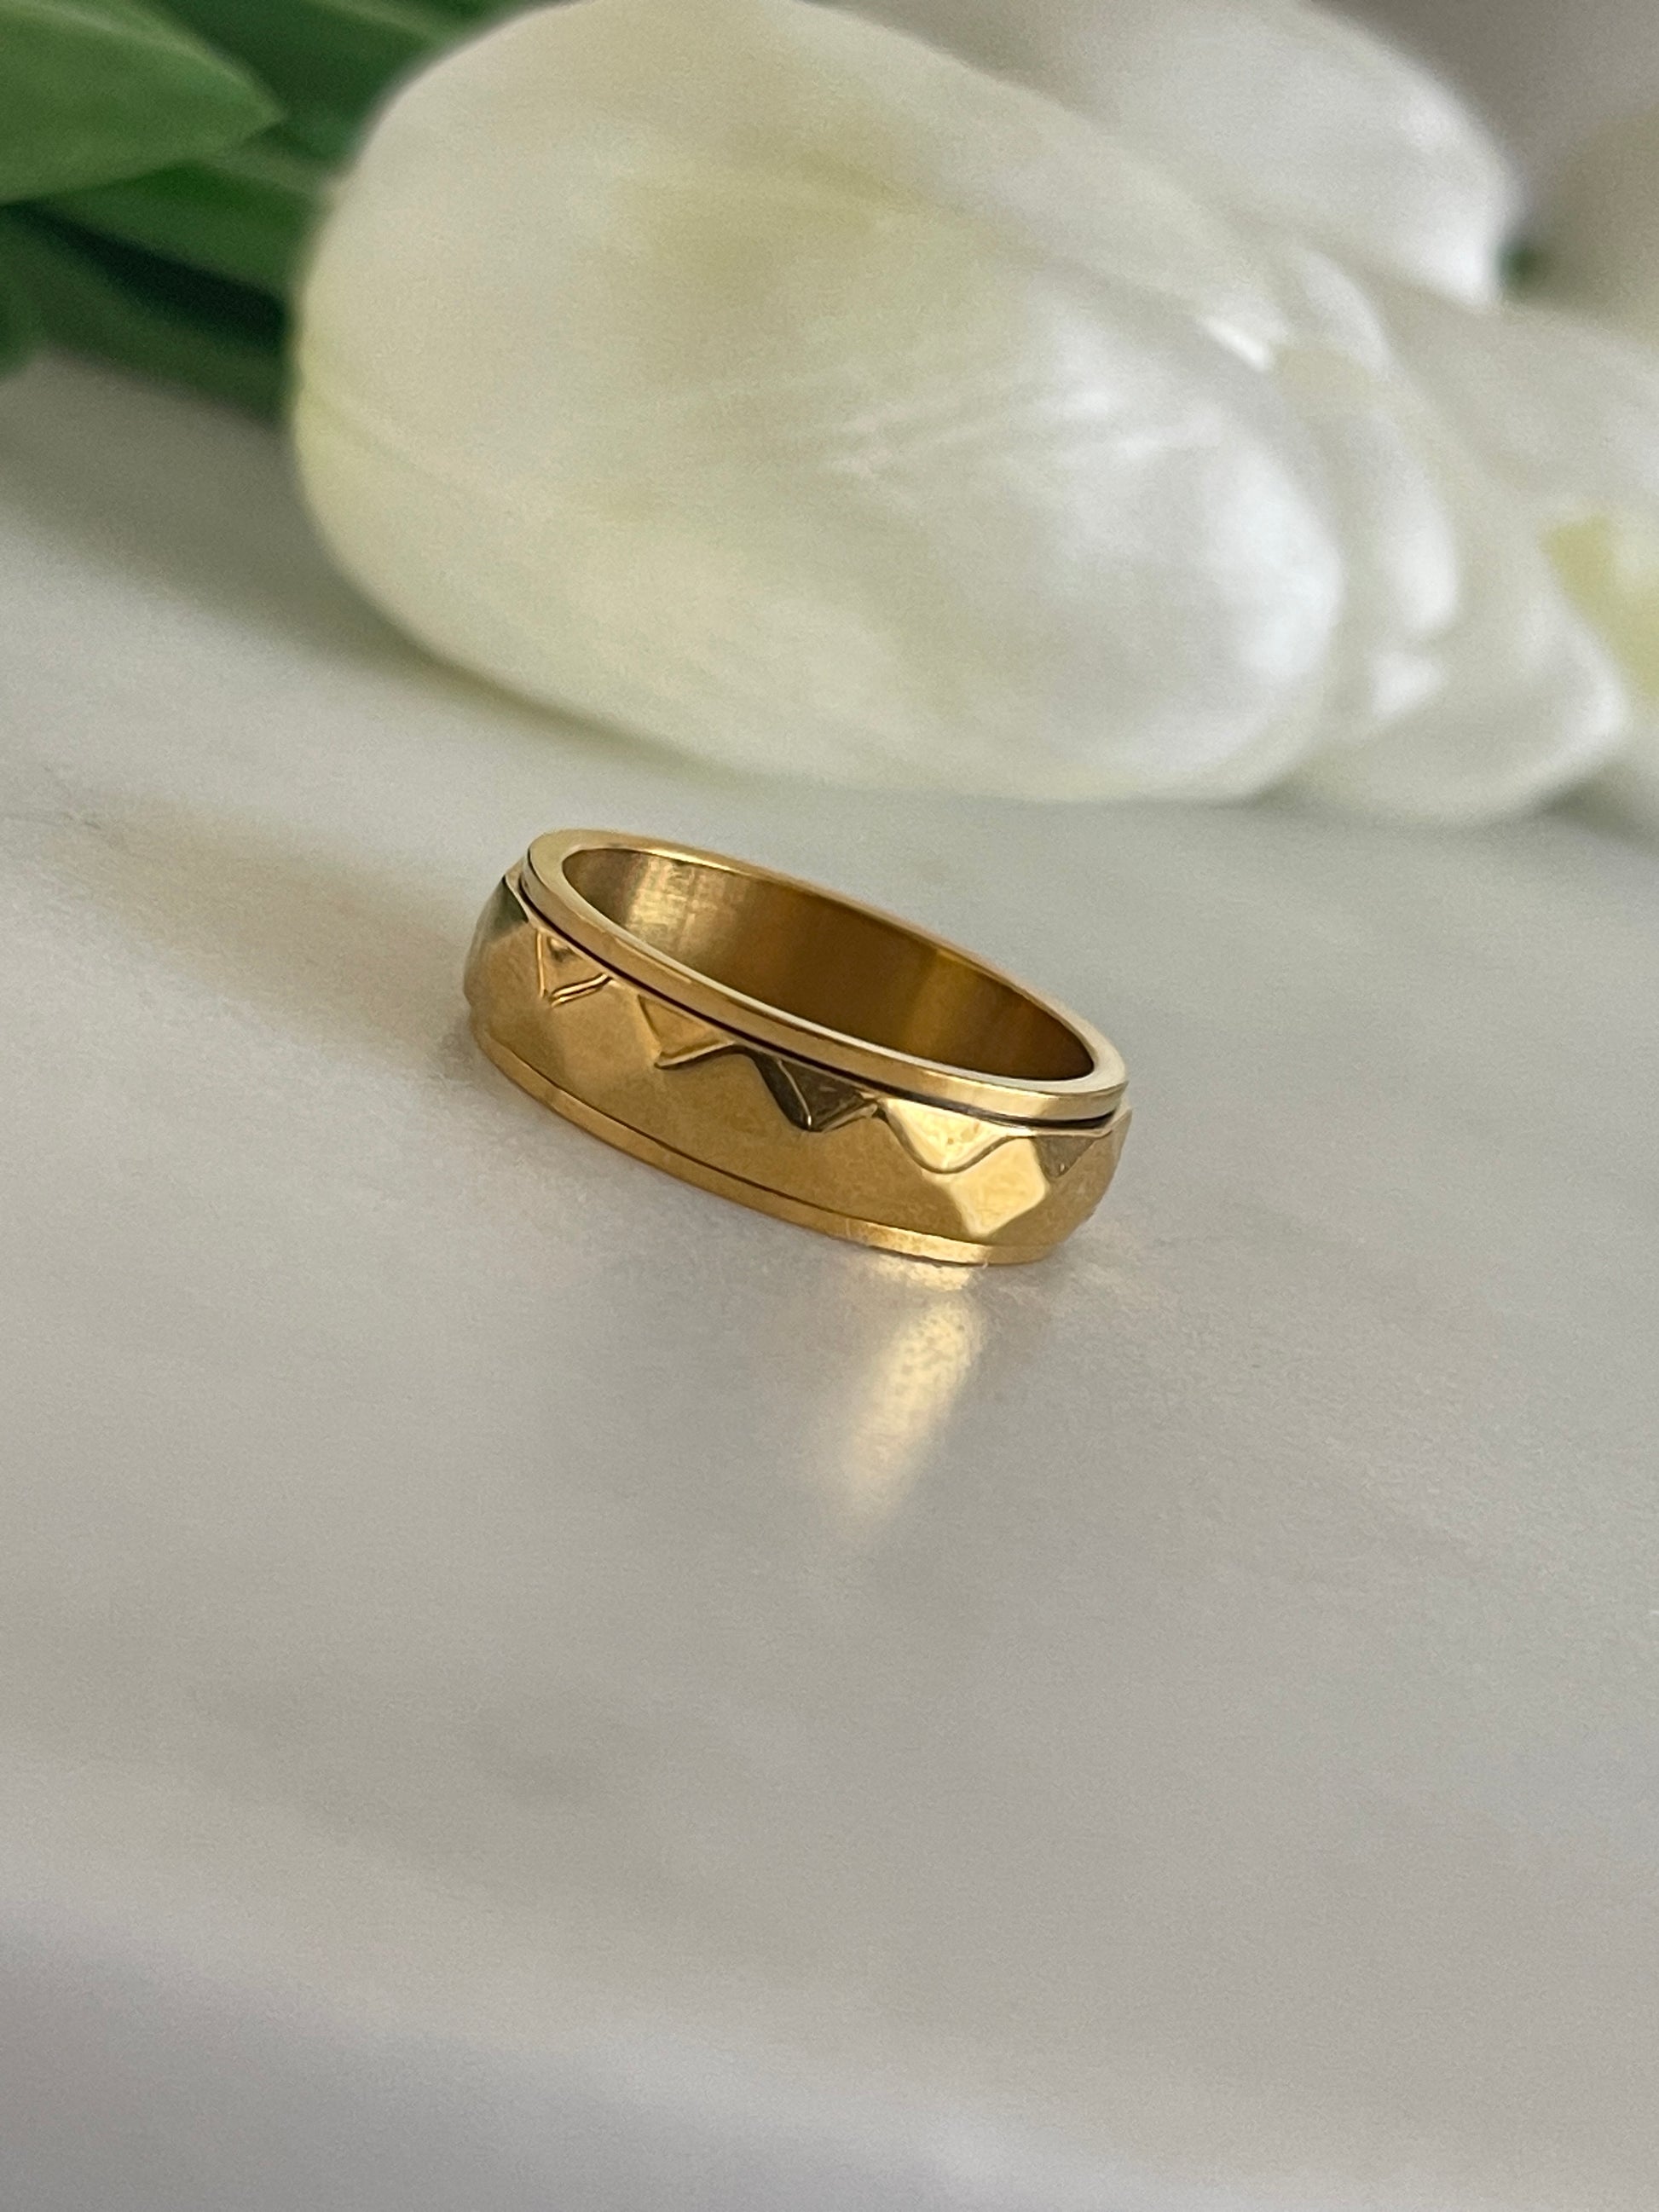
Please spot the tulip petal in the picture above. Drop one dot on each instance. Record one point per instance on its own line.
(1567, 408)
(1461, 685)
(1570, 411)
(1279, 108)
(778, 83)
(1513, 698)
(629, 406)
(1611, 571)
(1405, 560)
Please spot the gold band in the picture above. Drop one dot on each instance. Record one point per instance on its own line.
(797, 1052)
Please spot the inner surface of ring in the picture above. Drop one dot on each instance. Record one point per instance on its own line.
(808, 955)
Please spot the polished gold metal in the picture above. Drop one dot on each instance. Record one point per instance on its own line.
(793, 1051)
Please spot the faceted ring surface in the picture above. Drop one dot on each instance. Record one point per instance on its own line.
(800, 1053)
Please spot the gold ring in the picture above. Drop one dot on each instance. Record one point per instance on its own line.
(793, 1051)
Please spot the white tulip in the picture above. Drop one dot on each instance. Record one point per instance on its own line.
(1601, 253)
(1093, 410)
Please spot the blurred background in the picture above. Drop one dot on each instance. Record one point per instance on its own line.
(1547, 74)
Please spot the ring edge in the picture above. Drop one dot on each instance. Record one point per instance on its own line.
(910, 1244)
(935, 1083)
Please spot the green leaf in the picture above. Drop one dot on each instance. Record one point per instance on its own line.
(91, 89)
(333, 57)
(245, 213)
(146, 314)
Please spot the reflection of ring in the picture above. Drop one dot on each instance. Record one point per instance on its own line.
(793, 1051)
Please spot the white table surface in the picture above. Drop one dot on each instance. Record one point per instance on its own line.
(522, 1685)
